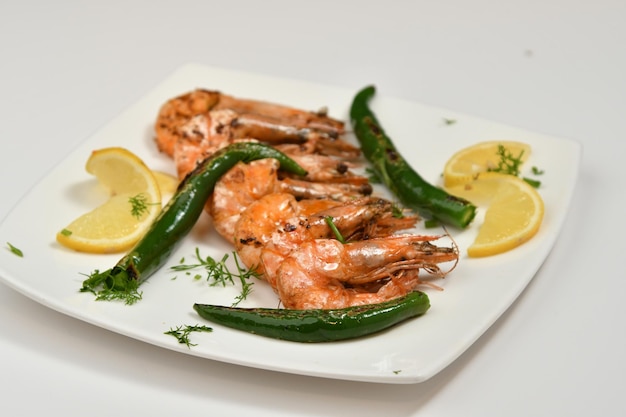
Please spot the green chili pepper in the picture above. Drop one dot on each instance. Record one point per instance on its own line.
(393, 170)
(176, 220)
(318, 325)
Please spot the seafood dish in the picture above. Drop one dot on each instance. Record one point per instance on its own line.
(278, 222)
(338, 190)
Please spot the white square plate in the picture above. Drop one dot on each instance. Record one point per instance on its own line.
(474, 295)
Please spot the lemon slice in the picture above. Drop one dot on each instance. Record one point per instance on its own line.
(514, 212)
(167, 184)
(467, 164)
(135, 201)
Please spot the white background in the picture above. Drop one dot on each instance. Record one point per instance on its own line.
(555, 67)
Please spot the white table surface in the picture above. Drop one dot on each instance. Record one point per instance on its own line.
(556, 67)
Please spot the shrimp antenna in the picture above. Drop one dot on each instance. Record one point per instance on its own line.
(455, 247)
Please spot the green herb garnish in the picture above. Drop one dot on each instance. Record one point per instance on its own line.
(130, 294)
(218, 273)
(431, 223)
(397, 212)
(139, 205)
(181, 333)
(15, 250)
(532, 182)
(508, 163)
(333, 228)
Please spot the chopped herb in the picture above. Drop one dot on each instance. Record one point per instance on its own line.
(333, 228)
(508, 164)
(537, 171)
(511, 164)
(430, 223)
(139, 205)
(181, 333)
(219, 273)
(532, 182)
(397, 212)
(66, 232)
(130, 296)
(448, 122)
(15, 250)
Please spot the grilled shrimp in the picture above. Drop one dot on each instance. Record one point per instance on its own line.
(176, 112)
(247, 183)
(276, 224)
(325, 273)
(195, 125)
(258, 118)
(288, 229)
(205, 119)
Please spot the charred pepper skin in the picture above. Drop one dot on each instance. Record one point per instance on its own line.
(407, 185)
(179, 216)
(318, 325)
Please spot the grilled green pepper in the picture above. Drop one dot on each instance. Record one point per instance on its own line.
(318, 325)
(175, 221)
(393, 170)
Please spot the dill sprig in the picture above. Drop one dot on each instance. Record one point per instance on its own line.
(511, 165)
(102, 285)
(139, 205)
(181, 333)
(508, 163)
(218, 273)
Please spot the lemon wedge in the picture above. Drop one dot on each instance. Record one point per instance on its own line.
(469, 163)
(514, 212)
(167, 184)
(134, 203)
